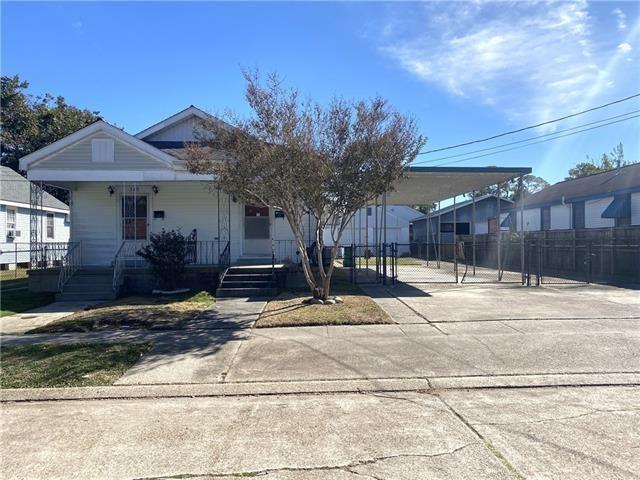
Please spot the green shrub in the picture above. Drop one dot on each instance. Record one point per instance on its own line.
(166, 253)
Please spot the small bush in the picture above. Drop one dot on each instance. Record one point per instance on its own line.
(166, 253)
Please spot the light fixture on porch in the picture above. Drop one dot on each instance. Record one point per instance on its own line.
(111, 190)
(155, 189)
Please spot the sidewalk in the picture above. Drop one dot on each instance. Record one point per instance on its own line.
(38, 317)
(568, 433)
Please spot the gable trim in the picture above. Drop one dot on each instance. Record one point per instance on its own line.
(172, 120)
(99, 126)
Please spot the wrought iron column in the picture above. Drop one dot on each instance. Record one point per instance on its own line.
(35, 224)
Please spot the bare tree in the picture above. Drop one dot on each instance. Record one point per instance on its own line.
(304, 158)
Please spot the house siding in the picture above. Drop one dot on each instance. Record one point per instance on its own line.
(186, 205)
(635, 208)
(561, 217)
(593, 213)
(532, 219)
(78, 157)
(180, 132)
(94, 222)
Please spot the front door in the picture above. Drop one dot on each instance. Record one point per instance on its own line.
(257, 230)
(135, 221)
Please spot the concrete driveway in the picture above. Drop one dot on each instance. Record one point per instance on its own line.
(472, 382)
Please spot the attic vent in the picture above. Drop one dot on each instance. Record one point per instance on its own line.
(102, 150)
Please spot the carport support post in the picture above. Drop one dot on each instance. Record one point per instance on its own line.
(439, 234)
(473, 229)
(499, 233)
(428, 240)
(455, 240)
(521, 195)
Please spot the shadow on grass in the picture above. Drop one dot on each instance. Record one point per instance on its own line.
(71, 365)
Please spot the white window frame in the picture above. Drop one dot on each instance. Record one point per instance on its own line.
(9, 225)
(51, 216)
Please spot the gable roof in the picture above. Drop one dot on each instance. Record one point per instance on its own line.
(172, 120)
(97, 126)
(17, 189)
(458, 206)
(600, 184)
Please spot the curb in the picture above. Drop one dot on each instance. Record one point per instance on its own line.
(320, 387)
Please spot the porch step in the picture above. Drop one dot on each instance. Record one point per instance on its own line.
(79, 287)
(246, 292)
(247, 284)
(248, 277)
(253, 261)
(84, 296)
(88, 283)
(248, 281)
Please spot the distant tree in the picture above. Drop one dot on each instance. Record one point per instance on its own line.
(299, 156)
(429, 207)
(607, 162)
(28, 123)
(510, 190)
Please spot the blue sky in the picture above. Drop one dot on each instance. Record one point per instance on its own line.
(464, 70)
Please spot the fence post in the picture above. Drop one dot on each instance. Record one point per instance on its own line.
(590, 263)
(384, 263)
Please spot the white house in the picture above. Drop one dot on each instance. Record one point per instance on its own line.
(124, 187)
(603, 200)
(15, 220)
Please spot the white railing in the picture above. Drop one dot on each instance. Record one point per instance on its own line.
(69, 264)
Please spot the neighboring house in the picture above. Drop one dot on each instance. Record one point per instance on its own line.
(425, 227)
(609, 199)
(361, 230)
(15, 219)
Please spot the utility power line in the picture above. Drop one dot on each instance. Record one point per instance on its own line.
(526, 139)
(540, 141)
(531, 126)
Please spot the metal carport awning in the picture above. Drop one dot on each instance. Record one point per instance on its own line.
(422, 185)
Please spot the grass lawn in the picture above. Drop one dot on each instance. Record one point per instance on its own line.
(73, 365)
(289, 310)
(136, 312)
(16, 301)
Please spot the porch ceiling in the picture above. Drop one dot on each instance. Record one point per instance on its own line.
(423, 185)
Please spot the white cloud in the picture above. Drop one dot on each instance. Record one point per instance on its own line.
(621, 18)
(529, 60)
(77, 25)
(624, 47)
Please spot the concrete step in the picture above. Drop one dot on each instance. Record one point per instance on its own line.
(248, 277)
(91, 278)
(88, 287)
(247, 284)
(245, 292)
(84, 296)
(253, 270)
(252, 261)
(95, 271)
